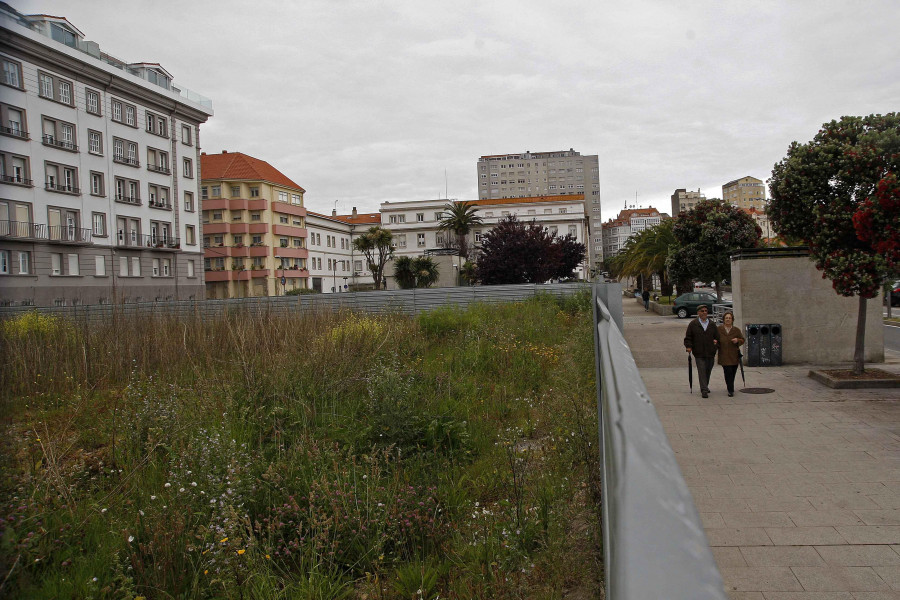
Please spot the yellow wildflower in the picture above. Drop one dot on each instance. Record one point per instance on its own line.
(241, 551)
(223, 540)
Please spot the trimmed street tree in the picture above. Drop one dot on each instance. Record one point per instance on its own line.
(705, 238)
(838, 193)
(459, 218)
(419, 272)
(518, 252)
(377, 246)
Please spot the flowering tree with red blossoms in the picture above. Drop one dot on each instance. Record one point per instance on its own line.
(839, 194)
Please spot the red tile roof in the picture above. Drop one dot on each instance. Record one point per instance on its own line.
(237, 165)
(357, 219)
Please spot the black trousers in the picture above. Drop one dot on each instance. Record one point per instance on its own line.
(730, 372)
(704, 370)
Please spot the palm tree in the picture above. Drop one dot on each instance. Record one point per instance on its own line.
(377, 246)
(459, 218)
(645, 253)
(418, 272)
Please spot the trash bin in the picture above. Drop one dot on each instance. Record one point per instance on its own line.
(764, 345)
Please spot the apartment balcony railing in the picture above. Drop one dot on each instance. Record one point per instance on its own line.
(24, 230)
(16, 180)
(69, 233)
(133, 239)
(159, 169)
(159, 204)
(126, 160)
(55, 142)
(15, 132)
(128, 199)
(169, 243)
(66, 188)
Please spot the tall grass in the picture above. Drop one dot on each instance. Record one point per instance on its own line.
(331, 455)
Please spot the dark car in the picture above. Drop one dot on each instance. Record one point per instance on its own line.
(686, 305)
(895, 294)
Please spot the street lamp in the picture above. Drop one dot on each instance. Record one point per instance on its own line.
(334, 287)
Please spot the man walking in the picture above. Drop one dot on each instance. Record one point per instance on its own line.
(702, 338)
(646, 298)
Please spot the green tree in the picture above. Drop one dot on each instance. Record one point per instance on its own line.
(645, 253)
(419, 272)
(838, 194)
(518, 252)
(459, 218)
(377, 246)
(705, 238)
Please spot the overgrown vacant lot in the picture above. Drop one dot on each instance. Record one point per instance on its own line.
(452, 455)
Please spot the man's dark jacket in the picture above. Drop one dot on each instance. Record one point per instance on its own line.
(701, 342)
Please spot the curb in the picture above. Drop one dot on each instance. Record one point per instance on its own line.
(857, 384)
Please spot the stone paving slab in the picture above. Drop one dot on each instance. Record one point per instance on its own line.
(798, 490)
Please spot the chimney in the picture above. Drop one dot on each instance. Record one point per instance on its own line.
(203, 154)
(333, 212)
(354, 211)
(224, 151)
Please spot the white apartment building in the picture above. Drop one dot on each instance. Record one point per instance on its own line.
(98, 172)
(334, 264)
(684, 200)
(531, 174)
(629, 222)
(415, 225)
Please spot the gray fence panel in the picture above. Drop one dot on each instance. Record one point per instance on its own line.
(408, 302)
(653, 538)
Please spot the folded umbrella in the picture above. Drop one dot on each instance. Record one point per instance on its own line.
(741, 362)
(690, 373)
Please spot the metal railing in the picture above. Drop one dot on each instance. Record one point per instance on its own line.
(22, 229)
(14, 132)
(159, 169)
(68, 233)
(62, 187)
(653, 539)
(16, 179)
(50, 140)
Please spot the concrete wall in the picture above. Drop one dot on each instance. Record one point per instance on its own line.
(819, 326)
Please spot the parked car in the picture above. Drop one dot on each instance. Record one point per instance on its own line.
(686, 305)
(895, 294)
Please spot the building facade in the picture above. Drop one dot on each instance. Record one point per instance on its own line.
(98, 172)
(416, 225)
(684, 200)
(629, 222)
(254, 228)
(334, 263)
(746, 192)
(534, 174)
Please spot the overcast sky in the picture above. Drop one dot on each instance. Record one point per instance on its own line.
(361, 102)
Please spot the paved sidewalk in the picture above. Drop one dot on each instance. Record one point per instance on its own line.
(799, 489)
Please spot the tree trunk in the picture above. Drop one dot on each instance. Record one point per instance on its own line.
(859, 354)
(718, 291)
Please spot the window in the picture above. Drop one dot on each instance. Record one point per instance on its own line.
(100, 266)
(217, 215)
(438, 216)
(12, 73)
(95, 142)
(136, 266)
(420, 239)
(237, 215)
(235, 191)
(398, 219)
(562, 211)
(188, 168)
(158, 196)
(127, 190)
(257, 240)
(58, 134)
(12, 119)
(190, 268)
(4, 262)
(24, 262)
(255, 216)
(296, 199)
(283, 196)
(157, 125)
(254, 192)
(357, 265)
(155, 271)
(186, 134)
(204, 193)
(15, 169)
(54, 88)
(99, 224)
(477, 237)
(130, 112)
(125, 152)
(188, 202)
(92, 101)
(167, 267)
(190, 235)
(117, 110)
(281, 218)
(158, 160)
(61, 178)
(215, 191)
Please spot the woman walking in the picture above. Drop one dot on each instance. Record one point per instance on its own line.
(729, 348)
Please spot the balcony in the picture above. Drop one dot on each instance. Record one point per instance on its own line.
(16, 180)
(133, 200)
(64, 188)
(133, 239)
(164, 243)
(69, 234)
(15, 132)
(159, 204)
(159, 169)
(127, 160)
(55, 142)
